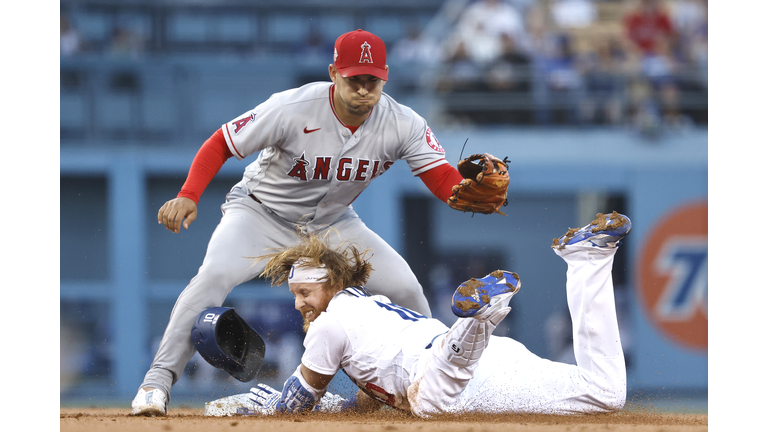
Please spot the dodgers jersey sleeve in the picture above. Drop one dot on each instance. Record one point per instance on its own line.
(324, 345)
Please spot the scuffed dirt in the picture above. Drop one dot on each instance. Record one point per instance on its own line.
(192, 420)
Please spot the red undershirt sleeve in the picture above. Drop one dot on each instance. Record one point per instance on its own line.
(441, 180)
(208, 161)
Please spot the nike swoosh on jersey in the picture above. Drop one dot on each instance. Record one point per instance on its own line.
(310, 130)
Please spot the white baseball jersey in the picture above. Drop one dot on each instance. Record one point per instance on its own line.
(311, 166)
(377, 343)
(384, 348)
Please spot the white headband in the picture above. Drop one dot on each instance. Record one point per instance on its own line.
(306, 274)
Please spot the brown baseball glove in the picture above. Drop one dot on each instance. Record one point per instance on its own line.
(484, 188)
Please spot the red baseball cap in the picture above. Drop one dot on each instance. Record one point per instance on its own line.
(360, 53)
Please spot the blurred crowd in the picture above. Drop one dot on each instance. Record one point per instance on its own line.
(123, 41)
(620, 61)
(589, 61)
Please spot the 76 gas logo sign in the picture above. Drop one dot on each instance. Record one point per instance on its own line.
(672, 277)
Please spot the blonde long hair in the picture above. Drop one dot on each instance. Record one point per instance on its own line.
(347, 266)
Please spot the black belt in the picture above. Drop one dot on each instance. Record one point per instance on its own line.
(255, 199)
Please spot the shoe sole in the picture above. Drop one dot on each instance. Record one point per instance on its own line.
(602, 222)
(470, 298)
(149, 412)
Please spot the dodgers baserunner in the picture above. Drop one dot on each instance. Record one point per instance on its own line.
(320, 146)
(408, 361)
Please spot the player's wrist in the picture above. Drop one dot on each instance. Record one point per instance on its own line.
(298, 395)
(191, 196)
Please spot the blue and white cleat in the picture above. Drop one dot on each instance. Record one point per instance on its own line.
(605, 232)
(473, 296)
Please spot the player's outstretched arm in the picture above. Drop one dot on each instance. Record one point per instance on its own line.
(176, 213)
(264, 401)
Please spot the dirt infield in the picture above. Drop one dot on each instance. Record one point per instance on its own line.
(192, 420)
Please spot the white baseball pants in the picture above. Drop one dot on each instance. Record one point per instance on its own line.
(511, 379)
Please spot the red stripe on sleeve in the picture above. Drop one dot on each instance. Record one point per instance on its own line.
(233, 144)
(441, 180)
(208, 161)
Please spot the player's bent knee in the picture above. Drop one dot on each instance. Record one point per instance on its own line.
(208, 289)
(614, 401)
(224, 277)
(615, 404)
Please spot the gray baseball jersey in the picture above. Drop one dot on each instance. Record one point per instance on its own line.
(311, 167)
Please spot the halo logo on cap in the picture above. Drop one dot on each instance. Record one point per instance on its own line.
(365, 55)
(360, 53)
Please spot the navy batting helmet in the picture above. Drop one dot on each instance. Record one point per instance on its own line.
(227, 342)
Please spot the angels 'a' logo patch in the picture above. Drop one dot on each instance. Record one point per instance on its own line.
(365, 55)
(239, 124)
(433, 143)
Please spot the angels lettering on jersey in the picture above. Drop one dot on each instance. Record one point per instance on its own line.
(342, 169)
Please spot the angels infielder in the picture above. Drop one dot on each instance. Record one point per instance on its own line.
(320, 146)
(406, 360)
